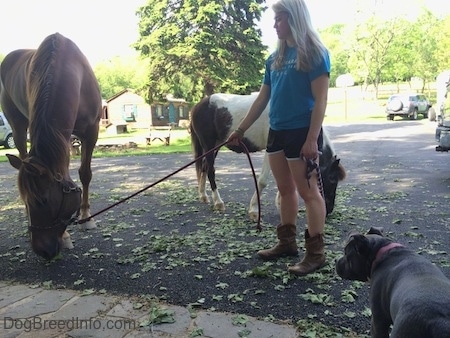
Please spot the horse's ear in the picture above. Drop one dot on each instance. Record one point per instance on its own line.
(33, 168)
(14, 161)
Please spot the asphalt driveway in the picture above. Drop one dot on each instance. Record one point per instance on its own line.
(165, 244)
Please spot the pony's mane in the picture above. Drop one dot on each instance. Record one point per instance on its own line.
(47, 141)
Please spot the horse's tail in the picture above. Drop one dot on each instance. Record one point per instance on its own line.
(196, 119)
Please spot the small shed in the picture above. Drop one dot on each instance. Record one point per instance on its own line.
(173, 112)
(128, 110)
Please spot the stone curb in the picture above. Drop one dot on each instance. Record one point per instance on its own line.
(36, 312)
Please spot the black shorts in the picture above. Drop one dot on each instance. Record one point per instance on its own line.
(290, 141)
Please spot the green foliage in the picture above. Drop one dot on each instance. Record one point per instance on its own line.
(372, 42)
(443, 36)
(118, 74)
(376, 50)
(197, 47)
(337, 40)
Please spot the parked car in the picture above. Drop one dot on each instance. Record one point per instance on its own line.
(6, 136)
(407, 105)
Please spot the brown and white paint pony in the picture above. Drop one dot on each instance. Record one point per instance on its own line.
(212, 121)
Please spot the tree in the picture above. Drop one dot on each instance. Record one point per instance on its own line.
(370, 48)
(211, 45)
(426, 63)
(400, 54)
(335, 39)
(119, 73)
(442, 30)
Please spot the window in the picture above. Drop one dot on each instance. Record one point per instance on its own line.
(130, 112)
(159, 110)
(181, 111)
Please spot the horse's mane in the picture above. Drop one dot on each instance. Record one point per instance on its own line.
(48, 143)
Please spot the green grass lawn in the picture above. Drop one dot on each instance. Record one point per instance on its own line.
(180, 142)
(342, 108)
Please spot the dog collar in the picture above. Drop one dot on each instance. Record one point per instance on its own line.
(382, 251)
(385, 249)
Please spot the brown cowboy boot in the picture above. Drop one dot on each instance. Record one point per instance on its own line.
(314, 257)
(286, 246)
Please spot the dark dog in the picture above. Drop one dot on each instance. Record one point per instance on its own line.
(406, 289)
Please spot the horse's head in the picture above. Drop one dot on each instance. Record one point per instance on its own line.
(51, 202)
(332, 172)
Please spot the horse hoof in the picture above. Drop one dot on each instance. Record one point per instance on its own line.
(219, 207)
(66, 241)
(204, 199)
(89, 225)
(253, 215)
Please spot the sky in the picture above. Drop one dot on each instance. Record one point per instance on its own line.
(104, 28)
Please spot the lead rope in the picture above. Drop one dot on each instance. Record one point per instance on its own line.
(258, 226)
(84, 220)
(310, 167)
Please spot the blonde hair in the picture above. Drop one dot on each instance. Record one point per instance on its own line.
(310, 48)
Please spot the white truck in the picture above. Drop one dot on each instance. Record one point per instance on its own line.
(443, 104)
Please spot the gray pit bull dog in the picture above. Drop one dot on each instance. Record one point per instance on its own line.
(406, 289)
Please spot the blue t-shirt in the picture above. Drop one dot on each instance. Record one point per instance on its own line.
(291, 99)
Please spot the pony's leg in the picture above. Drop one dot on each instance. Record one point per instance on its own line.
(201, 180)
(278, 201)
(85, 173)
(217, 200)
(262, 183)
(202, 187)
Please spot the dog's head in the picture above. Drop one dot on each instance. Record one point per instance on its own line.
(359, 254)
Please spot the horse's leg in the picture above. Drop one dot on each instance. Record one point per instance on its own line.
(85, 173)
(18, 122)
(262, 183)
(217, 201)
(201, 179)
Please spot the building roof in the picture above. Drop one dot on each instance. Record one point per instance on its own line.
(115, 96)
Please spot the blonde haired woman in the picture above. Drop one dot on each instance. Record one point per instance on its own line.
(296, 83)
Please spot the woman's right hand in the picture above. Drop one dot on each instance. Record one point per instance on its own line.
(235, 138)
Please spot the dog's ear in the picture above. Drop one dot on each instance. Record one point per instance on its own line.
(375, 231)
(361, 244)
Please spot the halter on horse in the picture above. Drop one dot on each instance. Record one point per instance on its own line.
(53, 93)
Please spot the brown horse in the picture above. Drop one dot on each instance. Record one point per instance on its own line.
(53, 93)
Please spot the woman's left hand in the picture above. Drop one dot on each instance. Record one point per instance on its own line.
(310, 151)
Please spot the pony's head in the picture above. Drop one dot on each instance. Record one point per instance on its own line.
(332, 172)
(51, 201)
